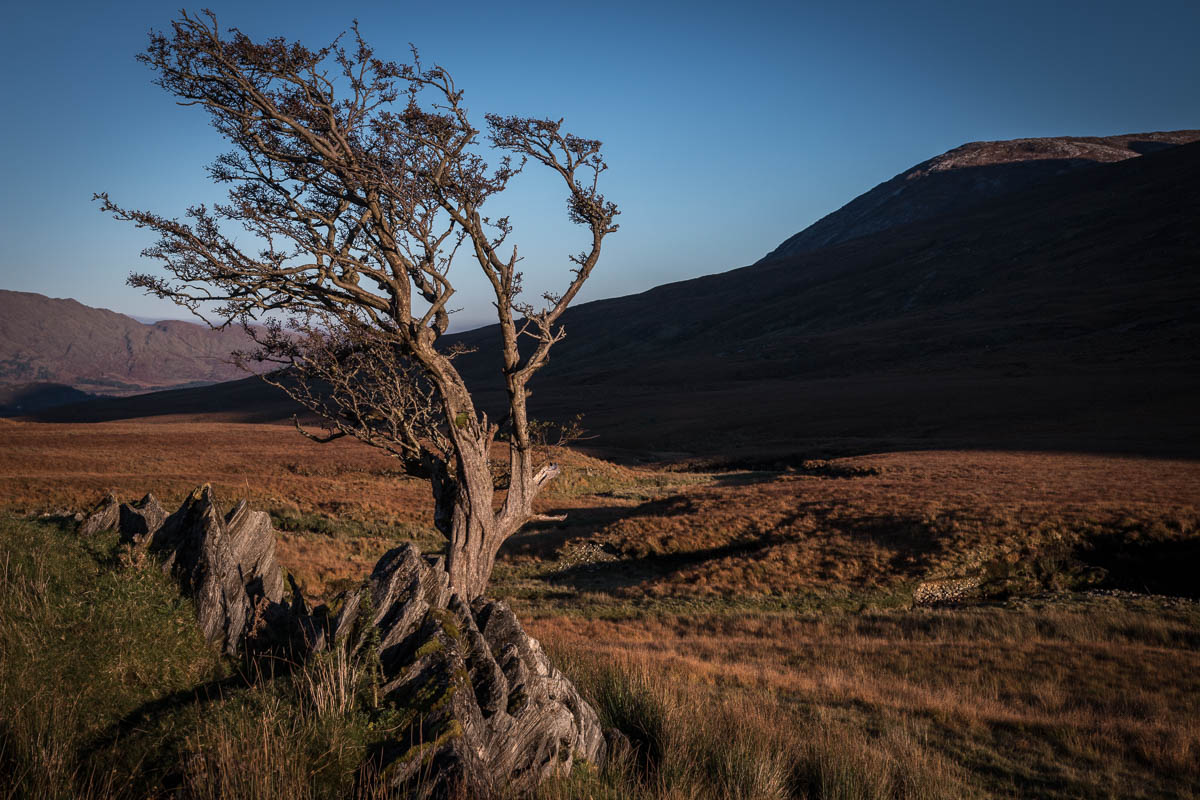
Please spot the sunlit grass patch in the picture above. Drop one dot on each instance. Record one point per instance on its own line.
(85, 640)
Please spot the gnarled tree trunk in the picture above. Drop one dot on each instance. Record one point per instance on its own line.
(464, 509)
(360, 189)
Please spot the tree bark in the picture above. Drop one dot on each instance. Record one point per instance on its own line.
(464, 513)
(474, 537)
(470, 556)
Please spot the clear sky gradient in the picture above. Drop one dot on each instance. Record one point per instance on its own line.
(728, 126)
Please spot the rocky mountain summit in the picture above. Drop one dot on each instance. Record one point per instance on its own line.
(479, 706)
(969, 176)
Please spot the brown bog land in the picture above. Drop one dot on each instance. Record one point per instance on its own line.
(762, 618)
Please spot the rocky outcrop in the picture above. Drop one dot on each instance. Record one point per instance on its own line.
(224, 562)
(141, 519)
(947, 591)
(104, 516)
(478, 707)
(488, 710)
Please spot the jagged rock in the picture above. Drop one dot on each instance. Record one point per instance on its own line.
(486, 709)
(135, 521)
(141, 519)
(251, 540)
(480, 709)
(103, 517)
(225, 563)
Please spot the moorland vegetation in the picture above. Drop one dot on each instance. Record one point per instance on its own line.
(773, 653)
(972, 609)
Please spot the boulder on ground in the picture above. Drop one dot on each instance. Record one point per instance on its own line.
(487, 709)
(479, 708)
(224, 562)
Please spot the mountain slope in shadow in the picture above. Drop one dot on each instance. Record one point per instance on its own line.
(1059, 316)
(968, 176)
(1064, 313)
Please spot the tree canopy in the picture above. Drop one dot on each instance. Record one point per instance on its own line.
(365, 188)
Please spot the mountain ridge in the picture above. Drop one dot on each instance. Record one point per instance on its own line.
(967, 175)
(1060, 316)
(46, 340)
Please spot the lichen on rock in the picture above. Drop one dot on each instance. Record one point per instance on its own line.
(488, 710)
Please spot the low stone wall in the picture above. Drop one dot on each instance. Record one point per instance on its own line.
(947, 591)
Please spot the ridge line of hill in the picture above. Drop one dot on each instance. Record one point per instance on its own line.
(1057, 316)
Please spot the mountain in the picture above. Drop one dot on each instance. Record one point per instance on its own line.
(45, 340)
(1059, 316)
(968, 176)
(1063, 315)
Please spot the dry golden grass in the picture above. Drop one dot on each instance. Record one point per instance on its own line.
(323, 565)
(1066, 696)
(1097, 700)
(50, 466)
(925, 513)
(46, 468)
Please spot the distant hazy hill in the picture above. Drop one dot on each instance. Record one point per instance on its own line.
(53, 341)
(967, 176)
(1058, 316)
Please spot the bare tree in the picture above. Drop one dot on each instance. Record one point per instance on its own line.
(360, 179)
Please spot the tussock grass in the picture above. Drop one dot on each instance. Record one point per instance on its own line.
(1095, 697)
(251, 756)
(304, 739)
(684, 739)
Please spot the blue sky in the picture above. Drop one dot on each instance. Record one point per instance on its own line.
(728, 127)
